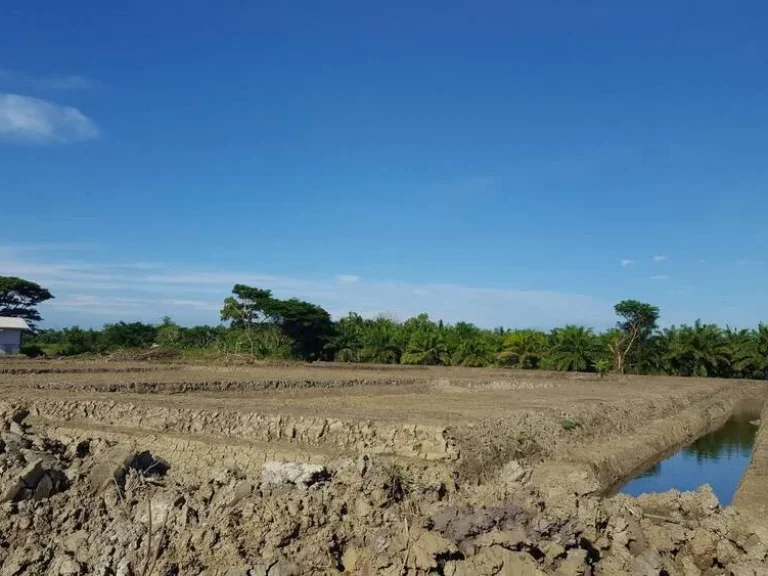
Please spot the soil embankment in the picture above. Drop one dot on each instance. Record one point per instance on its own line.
(358, 471)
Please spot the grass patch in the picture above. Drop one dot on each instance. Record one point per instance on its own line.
(569, 424)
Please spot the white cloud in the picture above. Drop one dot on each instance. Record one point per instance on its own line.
(659, 258)
(702, 261)
(347, 279)
(626, 263)
(27, 119)
(660, 277)
(144, 291)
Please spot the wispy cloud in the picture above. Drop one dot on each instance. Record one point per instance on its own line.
(47, 81)
(659, 258)
(147, 291)
(27, 119)
(348, 279)
(660, 277)
(63, 82)
(626, 263)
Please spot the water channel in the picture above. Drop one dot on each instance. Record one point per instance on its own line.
(719, 459)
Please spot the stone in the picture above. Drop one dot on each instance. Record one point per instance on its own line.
(574, 564)
(426, 547)
(160, 508)
(554, 550)
(647, 563)
(112, 466)
(75, 541)
(44, 488)
(702, 548)
(32, 473)
(16, 429)
(304, 476)
(498, 561)
(689, 566)
(510, 539)
(30, 456)
(284, 568)
(242, 490)
(69, 567)
(512, 471)
(11, 491)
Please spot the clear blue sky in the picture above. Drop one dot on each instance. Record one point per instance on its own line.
(517, 163)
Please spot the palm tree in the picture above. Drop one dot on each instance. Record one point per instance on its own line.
(740, 348)
(524, 348)
(761, 352)
(573, 348)
(381, 341)
(348, 341)
(697, 350)
(426, 347)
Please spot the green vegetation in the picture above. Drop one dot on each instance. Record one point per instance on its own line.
(20, 298)
(569, 424)
(262, 326)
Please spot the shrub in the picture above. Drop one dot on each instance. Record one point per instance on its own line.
(32, 351)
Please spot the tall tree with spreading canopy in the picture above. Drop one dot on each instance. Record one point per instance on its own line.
(636, 325)
(307, 326)
(19, 298)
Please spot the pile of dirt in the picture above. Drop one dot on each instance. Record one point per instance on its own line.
(91, 506)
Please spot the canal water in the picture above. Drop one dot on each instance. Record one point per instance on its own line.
(719, 459)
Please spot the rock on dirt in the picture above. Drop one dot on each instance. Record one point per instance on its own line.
(301, 475)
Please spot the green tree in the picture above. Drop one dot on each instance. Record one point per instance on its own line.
(19, 298)
(698, 350)
(572, 348)
(636, 325)
(128, 335)
(347, 344)
(307, 325)
(426, 342)
(168, 333)
(740, 353)
(524, 348)
(383, 341)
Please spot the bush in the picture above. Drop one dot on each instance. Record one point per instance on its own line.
(32, 351)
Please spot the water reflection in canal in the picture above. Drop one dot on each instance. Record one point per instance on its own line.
(719, 459)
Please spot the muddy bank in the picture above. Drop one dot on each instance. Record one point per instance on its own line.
(601, 466)
(93, 506)
(752, 495)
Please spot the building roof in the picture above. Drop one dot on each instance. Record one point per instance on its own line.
(9, 323)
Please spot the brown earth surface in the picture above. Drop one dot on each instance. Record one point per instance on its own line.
(139, 468)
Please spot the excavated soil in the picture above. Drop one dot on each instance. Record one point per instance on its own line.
(136, 468)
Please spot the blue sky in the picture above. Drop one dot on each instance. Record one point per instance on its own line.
(516, 163)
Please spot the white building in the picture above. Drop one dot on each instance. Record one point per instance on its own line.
(10, 334)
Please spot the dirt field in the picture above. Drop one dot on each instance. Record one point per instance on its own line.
(151, 468)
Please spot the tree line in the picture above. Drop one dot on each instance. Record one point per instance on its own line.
(261, 326)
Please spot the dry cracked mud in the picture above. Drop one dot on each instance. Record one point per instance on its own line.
(137, 469)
